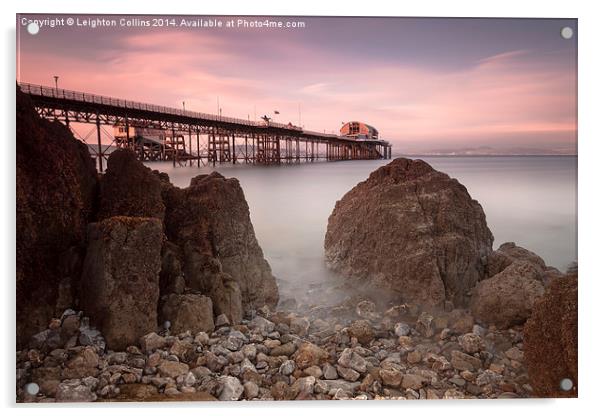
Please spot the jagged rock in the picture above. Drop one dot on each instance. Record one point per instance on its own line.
(56, 191)
(151, 342)
(471, 343)
(210, 222)
(507, 298)
(362, 330)
(129, 189)
(190, 311)
(411, 230)
(351, 359)
(461, 361)
(172, 369)
(120, 281)
(509, 253)
(74, 391)
(231, 389)
(309, 354)
(551, 340)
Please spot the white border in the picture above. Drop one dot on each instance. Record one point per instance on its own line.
(590, 151)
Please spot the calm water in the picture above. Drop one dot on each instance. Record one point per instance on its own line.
(529, 200)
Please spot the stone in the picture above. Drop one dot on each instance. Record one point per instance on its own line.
(362, 330)
(300, 326)
(56, 192)
(471, 343)
(74, 391)
(120, 280)
(309, 354)
(426, 240)
(231, 389)
(461, 361)
(222, 320)
(507, 298)
(287, 368)
(151, 342)
(251, 390)
(509, 253)
(303, 388)
(402, 329)
(353, 360)
(514, 354)
(412, 381)
(190, 311)
(287, 349)
(129, 189)
(262, 324)
(550, 344)
(366, 310)
(390, 376)
(348, 374)
(313, 371)
(221, 258)
(172, 369)
(424, 325)
(330, 373)
(414, 357)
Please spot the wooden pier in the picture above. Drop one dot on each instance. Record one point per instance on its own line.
(195, 138)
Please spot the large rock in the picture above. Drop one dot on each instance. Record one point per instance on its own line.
(551, 339)
(507, 298)
(120, 282)
(56, 190)
(128, 188)
(188, 312)
(210, 222)
(411, 230)
(509, 253)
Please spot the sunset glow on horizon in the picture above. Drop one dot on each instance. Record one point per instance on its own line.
(427, 85)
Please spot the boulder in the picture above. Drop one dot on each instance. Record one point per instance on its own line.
(56, 192)
(550, 346)
(412, 231)
(309, 355)
(509, 253)
(210, 223)
(120, 281)
(507, 298)
(130, 189)
(191, 311)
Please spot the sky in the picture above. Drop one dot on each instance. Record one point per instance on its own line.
(429, 85)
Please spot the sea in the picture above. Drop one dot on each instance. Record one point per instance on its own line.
(530, 200)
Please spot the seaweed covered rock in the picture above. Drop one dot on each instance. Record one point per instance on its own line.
(551, 339)
(128, 188)
(56, 191)
(120, 280)
(210, 223)
(411, 230)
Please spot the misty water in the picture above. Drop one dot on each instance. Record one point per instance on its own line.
(529, 200)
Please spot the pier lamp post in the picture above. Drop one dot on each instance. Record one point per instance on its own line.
(56, 84)
(184, 105)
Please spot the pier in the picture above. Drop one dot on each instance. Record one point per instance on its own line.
(193, 138)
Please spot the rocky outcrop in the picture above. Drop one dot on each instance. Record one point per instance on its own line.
(56, 189)
(411, 230)
(120, 281)
(188, 312)
(128, 188)
(516, 279)
(210, 223)
(551, 340)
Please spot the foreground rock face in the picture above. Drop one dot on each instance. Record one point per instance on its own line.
(128, 188)
(210, 222)
(551, 340)
(120, 281)
(412, 230)
(56, 186)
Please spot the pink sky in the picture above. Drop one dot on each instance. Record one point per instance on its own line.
(514, 95)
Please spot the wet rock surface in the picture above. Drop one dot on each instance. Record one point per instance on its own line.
(413, 231)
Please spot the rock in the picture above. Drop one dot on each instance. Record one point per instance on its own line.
(391, 376)
(313, 371)
(83, 364)
(210, 222)
(231, 389)
(507, 298)
(426, 238)
(56, 192)
(263, 325)
(309, 354)
(550, 345)
(509, 253)
(300, 326)
(402, 329)
(285, 349)
(412, 381)
(351, 359)
(287, 368)
(414, 357)
(120, 280)
(366, 310)
(330, 373)
(129, 189)
(303, 388)
(461, 361)
(348, 374)
(514, 354)
(424, 325)
(47, 378)
(251, 390)
(171, 278)
(74, 391)
(222, 320)
(191, 312)
(471, 343)
(172, 369)
(362, 330)
(151, 342)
